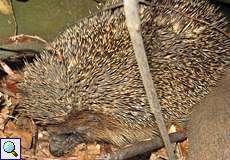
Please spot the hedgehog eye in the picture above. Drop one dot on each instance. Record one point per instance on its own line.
(50, 51)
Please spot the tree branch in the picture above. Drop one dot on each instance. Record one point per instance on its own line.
(134, 27)
(143, 147)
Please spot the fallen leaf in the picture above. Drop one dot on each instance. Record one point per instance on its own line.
(26, 137)
(2, 135)
(184, 148)
(4, 114)
(94, 149)
(161, 153)
(87, 152)
(10, 126)
(12, 132)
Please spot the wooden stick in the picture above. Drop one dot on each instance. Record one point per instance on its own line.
(134, 27)
(145, 146)
(14, 18)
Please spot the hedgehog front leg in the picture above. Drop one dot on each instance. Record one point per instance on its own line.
(61, 144)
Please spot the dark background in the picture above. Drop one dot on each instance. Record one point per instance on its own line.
(225, 8)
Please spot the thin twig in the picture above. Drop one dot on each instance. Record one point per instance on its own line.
(9, 116)
(35, 137)
(22, 36)
(14, 18)
(134, 27)
(193, 19)
(20, 53)
(48, 46)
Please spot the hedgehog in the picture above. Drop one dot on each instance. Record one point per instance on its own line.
(87, 86)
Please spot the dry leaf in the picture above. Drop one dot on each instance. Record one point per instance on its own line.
(5, 8)
(26, 137)
(3, 117)
(10, 126)
(93, 149)
(2, 135)
(161, 153)
(12, 132)
(184, 148)
(87, 152)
